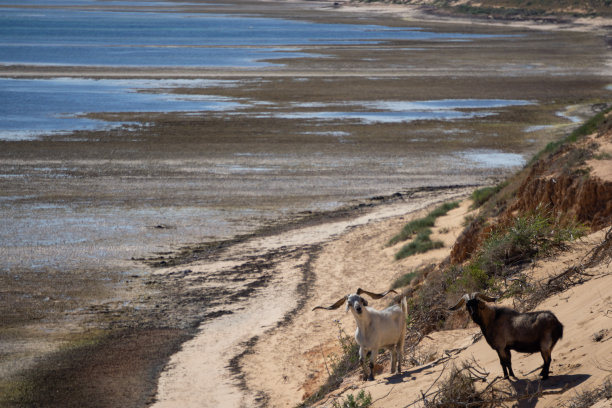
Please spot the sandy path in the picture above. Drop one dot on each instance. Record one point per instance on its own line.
(288, 363)
(209, 371)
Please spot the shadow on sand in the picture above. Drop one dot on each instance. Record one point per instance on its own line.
(557, 384)
(526, 391)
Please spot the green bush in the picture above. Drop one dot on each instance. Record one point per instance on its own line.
(363, 400)
(532, 235)
(482, 195)
(413, 227)
(469, 278)
(421, 244)
(404, 280)
(422, 224)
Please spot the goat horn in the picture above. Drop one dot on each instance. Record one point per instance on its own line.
(484, 297)
(374, 295)
(334, 306)
(461, 302)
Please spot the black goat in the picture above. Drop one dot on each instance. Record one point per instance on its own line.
(506, 329)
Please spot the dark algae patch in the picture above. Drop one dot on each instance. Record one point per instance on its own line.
(103, 369)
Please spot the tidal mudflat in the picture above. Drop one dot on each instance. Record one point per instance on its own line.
(127, 156)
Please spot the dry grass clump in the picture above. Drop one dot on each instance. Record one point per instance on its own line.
(338, 368)
(588, 398)
(530, 294)
(459, 389)
(509, 247)
(421, 227)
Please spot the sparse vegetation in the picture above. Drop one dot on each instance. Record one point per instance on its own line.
(422, 228)
(531, 235)
(404, 280)
(362, 400)
(459, 390)
(589, 127)
(482, 195)
(524, 9)
(339, 367)
(422, 243)
(588, 398)
(422, 224)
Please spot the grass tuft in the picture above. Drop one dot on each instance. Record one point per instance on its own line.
(421, 244)
(532, 235)
(404, 280)
(589, 398)
(422, 224)
(362, 400)
(340, 366)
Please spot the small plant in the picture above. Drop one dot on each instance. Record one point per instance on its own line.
(340, 366)
(533, 234)
(482, 195)
(363, 400)
(421, 244)
(404, 280)
(458, 390)
(412, 228)
(422, 224)
(444, 209)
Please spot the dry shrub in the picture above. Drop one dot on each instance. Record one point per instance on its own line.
(588, 398)
(459, 389)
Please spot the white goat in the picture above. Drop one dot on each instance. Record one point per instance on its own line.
(376, 329)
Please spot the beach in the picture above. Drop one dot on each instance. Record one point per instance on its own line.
(184, 238)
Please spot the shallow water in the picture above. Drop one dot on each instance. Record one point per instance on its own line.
(46, 106)
(41, 107)
(350, 107)
(123, 37)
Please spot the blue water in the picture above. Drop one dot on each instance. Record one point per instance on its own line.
(51, 33)
(145, 38)
(407, 111)
(32, 107)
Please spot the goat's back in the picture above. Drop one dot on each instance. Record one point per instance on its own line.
(386, 326)
(526, 330)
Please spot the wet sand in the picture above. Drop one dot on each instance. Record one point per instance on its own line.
(143, 254)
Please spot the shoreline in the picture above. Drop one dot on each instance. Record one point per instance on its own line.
(432, 14)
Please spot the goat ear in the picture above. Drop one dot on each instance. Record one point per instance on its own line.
(374, 295)
(334, 306)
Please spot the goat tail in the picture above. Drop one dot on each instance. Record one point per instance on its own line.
(557, 331)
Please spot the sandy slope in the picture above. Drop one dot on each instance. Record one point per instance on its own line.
(579, 361)
(290, 362)
(281, 358)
